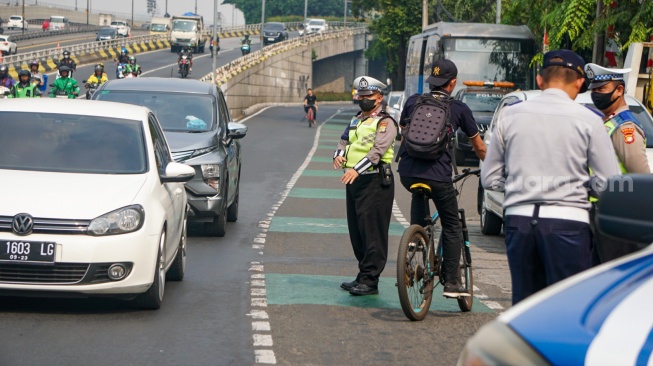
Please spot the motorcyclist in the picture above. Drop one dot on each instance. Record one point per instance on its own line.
(246, 40)
(24, 88)
(5, 79)
(133, 67)
(34, 69)
(65, 83)
(98, 77)
(66, 60)
(189, 55)
(123, 58)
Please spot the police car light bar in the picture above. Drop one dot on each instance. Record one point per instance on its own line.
(496, 84)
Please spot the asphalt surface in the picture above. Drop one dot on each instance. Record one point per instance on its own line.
(284, 257)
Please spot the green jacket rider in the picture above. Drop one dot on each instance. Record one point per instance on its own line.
(132, 66)
(65, 83)
(24, 88)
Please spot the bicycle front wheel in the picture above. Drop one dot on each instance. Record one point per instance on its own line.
(467, 280)
(415, 261)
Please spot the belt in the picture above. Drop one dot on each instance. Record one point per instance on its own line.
(550, 212)
(373, 171)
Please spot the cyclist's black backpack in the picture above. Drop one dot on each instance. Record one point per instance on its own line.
(429, 129)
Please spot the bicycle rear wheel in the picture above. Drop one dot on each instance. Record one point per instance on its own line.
(414, 283)
(309, 117)
(467, 280)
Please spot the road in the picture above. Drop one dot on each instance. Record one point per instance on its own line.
(268, 291)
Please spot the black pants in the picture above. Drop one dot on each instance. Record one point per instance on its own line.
(369, 209)
(306, 107)
(444, 197)
(606, 248)
(543, 251)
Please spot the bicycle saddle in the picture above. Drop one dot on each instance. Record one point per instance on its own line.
(417, 187)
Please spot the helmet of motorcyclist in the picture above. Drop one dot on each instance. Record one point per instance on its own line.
(132, 60)
(124, 51)
(65, 69)
(66, 54)
(3, 71)
(246, 36)
(33, 63)
(98, 70)
(24, 76)
(100, 65)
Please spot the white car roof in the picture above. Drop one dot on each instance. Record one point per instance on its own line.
(75, 107)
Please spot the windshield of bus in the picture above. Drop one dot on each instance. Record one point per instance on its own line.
(158, 28)
(184, 26)
(492, 59)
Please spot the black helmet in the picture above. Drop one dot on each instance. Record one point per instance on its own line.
(246, 35)
(3, 70)
(64, 68)
(33, 62)
(24, 73)
(99, 68)
(66, 53)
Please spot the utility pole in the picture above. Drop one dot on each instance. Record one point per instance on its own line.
(305, 10)
(24, 21)
(499, 11)
(345, 22)
(88, 10)
(132, 23)
(195, 6)
(262, 17)
(215, 46)
(425, 14)
(599, 39)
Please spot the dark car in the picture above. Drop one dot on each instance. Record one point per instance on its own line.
(482, 98)
(106, 34)
(198, 127)
(273, 33)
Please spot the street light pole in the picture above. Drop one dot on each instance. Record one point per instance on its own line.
(195, 6)
(132, 23)
(24, 21)
(215, 46)
(263, 15)
(305, 10)
(88, 10)
(345, 22)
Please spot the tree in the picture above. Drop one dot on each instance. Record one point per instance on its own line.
(316, 8)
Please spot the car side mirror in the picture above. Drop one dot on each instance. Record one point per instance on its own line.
(177, 173)
(624, 208)
(236, 130)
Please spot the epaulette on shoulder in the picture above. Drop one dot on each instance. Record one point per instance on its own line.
(595, 111)
(513, 103)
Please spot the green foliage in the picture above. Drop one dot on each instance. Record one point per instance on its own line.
(282, 8)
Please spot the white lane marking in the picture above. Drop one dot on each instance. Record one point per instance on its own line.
(258, 314)
(611, 346)
(260, 326)
(262, 340)
(264, 356)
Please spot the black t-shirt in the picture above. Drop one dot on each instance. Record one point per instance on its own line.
(310, 99)
(439, 170)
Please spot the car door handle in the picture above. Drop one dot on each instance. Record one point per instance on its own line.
(178, 191)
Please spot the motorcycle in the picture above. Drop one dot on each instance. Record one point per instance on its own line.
(184, 65)
(62, 94)
(120, 70)
(4, 91)
(245, 48)
(90, 89)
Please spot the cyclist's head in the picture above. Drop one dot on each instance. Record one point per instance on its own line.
(310, 91)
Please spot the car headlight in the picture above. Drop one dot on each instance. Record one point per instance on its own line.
(495, 344)
(211, 175)
(121, 221)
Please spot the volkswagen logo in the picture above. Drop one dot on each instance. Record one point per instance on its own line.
(23, 224)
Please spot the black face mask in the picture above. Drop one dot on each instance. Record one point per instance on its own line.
(367, 105)
(603, 101)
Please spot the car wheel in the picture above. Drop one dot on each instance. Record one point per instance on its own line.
(232, 211)
(152, 299)
(218, 227)
(178, 268)
(459, 155)
(490, 222)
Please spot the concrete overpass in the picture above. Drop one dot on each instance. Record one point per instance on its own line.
(281, 73)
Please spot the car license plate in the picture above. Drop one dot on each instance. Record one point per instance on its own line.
(270, 39)
(27, 251)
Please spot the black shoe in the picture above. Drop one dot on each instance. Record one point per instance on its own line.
(348, 285)
(363, 289)
(454, 291)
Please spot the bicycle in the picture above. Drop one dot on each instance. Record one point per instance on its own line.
(310, 117)
(418, 264)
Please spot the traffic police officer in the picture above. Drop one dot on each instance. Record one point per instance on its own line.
(365, 152)
(629, 141)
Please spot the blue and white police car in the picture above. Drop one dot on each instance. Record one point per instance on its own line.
(599, 317)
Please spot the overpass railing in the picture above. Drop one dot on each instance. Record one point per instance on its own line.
(70, 29)
(81, 48)
(233, 68)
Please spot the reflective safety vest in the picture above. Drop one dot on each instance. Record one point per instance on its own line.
(362, 135)
(612, 125)
(29, 91)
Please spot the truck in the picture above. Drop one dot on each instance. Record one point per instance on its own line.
(160, 26)
(187, 30)
(104, 20)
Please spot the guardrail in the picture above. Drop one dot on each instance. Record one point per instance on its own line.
(69, 30)
(79, 49)
(233, 68)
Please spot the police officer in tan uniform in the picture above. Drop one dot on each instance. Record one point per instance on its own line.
(365, 152)
(628, 138)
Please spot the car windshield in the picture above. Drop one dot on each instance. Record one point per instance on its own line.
(14, 18)
(71, 143)
(273, 26)
(106, 31)
(176, 112)
(316, 22)
(394, 99)
(184, 25)
(118, 23)
(482, 101)
(158, 27)
(58, 20)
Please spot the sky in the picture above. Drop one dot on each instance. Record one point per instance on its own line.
(175, 7)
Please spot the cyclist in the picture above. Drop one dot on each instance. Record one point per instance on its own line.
(310, 102)
(24, 88)
(437, 173)
(65, 83)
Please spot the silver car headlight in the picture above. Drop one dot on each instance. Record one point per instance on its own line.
(211, 175)
(495, 344)
(121, 221)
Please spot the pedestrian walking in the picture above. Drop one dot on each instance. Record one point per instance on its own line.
(629, 142)
(365, 152)
(539, 156)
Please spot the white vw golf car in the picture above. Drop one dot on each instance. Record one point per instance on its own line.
(92, 202)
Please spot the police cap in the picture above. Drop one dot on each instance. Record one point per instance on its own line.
(366, 85)
(441, 72)
(600, 76)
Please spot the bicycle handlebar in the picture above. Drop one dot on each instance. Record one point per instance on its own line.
(466, 172)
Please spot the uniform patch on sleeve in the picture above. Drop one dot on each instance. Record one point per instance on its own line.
(382, 126)
(629, 134)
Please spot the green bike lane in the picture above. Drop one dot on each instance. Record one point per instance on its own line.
(307, 254)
